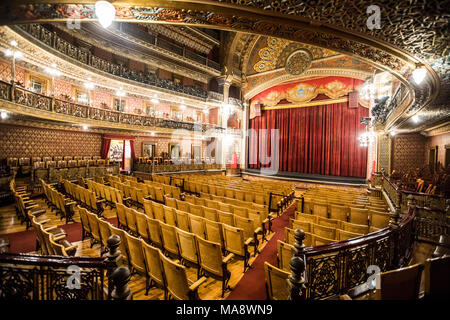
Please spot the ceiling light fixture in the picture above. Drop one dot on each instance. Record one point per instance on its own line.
(154, 100)
(393, 133)
(415, 118)
(152, 134)
(85, 127)
(182, 107)
(105, 13)
(419, 75)
(89, 85)
(3, 115)
(205, 111)
(120, 93)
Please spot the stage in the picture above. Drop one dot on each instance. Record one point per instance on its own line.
(311, 178)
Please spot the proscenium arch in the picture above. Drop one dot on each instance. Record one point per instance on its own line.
(273, 19)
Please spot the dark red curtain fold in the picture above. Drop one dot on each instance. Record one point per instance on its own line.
(105, 148)
(123, 154)
(133, 156)
(318, 140)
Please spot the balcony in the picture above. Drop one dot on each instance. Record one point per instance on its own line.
(81, 55)
(34, 102)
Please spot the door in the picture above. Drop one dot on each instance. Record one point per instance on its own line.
(432, 159)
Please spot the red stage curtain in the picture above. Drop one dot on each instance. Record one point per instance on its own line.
(105, 148)
(123, 155)
(318, 140)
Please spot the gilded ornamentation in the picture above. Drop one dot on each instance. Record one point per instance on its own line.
(298, 62)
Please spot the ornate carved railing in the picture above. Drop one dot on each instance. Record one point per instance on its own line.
(331, 270)
(52, 40)
(35, 100)
(39, 277)
(36, 277)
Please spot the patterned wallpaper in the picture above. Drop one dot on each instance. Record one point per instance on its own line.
(62, 87)
(384, 153)
(101, 96)
(18, 141)
(408, 152)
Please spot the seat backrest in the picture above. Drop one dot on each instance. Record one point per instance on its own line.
(226, 218)
(141, 223)
(197, 225)
(136, 253)
(182, 219)
(338, 212)
(154, 231)
(158, 211)
(171, 202)
(245, 224)
(320, 209)
(187, 245)
(276, 282)
(105, 232)
(176, 278)
(298, 224)
(214, 232)
(170, 216)
(285, 252)
(306, 217)
(234, 239)
(169, 238)
(401, 284)
(210, 256)
(210, 214)
(332, 223)
(320, 241)
(121, 217)
(93, 223)
(153, 263)
(356, 228)
(379, 219)
(345, 235)
(358, 216)
(437, 277)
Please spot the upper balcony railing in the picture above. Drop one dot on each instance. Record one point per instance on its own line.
(172, 47)
(38, 101)
(84, 56)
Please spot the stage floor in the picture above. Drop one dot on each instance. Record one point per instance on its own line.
(308, 177)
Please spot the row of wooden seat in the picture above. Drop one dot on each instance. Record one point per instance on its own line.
(52, 240)
(355, 215)
(57, 201)
(209, 198)
(109, 194)
(232, 239)
(26, 208)
(84, 197)
(222, 212)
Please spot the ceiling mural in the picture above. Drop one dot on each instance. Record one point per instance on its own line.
(276, 52)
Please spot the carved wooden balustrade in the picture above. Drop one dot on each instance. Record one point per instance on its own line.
(35, 100)
(334, 269)
(38, 277)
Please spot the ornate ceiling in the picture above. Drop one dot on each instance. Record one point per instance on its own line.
(410, 33)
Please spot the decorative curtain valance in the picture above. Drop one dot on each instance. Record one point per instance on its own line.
(305, 91)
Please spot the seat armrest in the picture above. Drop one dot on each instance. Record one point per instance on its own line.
(228, 258)
(51, 228)
(59, 237)
(44, 221)
(258, 230)
(196, 284)
(70, 203)
(31, 207)
(248, 241)
(345, 297)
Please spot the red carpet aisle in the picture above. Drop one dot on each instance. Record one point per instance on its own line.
(252, 286)
(25, 241)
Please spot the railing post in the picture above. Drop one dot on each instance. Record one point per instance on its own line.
(296, 280)
(113, 260)
(120, 278)
(395, 218)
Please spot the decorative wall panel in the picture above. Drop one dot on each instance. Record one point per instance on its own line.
(408, 152)
(384, 153)
(17, 141)
(439, 141)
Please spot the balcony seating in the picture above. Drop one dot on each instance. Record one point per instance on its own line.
(400, 284)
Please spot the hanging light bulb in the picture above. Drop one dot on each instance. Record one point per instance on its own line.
(415, 118)
(105, 13)
(154, 100)
(3, 115)
(419, 75)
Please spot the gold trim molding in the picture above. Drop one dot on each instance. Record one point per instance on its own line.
(306, 104)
